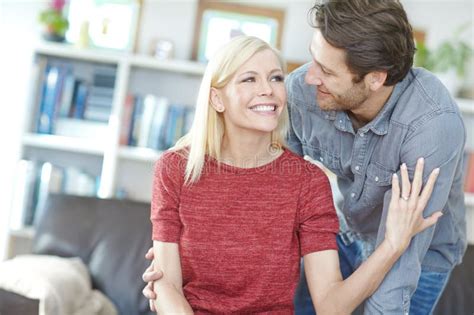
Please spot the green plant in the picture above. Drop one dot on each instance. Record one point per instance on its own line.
(450, 54)
(53, 18)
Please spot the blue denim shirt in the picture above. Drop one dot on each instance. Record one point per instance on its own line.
(420, 119)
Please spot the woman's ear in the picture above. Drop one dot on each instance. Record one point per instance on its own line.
(216, 100)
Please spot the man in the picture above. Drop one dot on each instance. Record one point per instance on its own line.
(361, 110)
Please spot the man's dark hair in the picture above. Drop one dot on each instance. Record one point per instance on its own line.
(375, 34)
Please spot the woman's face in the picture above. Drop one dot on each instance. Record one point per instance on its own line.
(254, 98)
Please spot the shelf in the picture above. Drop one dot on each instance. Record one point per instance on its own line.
(69, 144)
(139, 154)
(69, 51)
(180, 66)
(111, 57)
(469, 199)
(26, 232)
(465, 105)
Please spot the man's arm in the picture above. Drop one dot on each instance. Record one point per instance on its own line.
(440, 141)
(170, 297)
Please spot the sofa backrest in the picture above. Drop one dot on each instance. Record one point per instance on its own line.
(111, 237)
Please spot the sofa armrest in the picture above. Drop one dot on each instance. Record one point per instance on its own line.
(12, 303)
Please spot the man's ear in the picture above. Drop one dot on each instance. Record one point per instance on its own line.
(216, 100)
(375, 79)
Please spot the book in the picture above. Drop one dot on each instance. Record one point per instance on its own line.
(23, 189)
(50, 181)
(127, 122)
(149, 105)
(469, 173)
(158, 123)
(48, 105)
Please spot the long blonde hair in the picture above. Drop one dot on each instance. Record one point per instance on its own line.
(207, 130)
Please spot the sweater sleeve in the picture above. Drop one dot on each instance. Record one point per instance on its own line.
(318, 222)
(167, 183)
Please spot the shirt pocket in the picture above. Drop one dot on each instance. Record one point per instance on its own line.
(378, 180)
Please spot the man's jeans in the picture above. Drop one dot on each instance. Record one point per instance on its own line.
(351, 255)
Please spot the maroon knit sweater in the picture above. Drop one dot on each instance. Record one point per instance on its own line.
(241, 232)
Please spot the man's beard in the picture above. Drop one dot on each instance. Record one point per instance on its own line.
(347, 101)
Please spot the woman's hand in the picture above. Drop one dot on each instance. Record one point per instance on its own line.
(405, 214)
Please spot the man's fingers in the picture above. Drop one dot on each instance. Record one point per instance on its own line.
(149, 254)
(148, 291)
(417, 179)
(150, 276)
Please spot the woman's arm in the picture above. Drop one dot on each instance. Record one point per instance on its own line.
(169, 289)
(333, 295)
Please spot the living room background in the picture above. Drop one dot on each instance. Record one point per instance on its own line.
(174, 20)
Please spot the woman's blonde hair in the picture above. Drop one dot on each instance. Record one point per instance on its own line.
(207, 130)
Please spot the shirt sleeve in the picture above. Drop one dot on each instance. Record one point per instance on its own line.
(292, 140)
(441, 147)
(318, 222)
(167, 183)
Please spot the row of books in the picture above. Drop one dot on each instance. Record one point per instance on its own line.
(34, 180)
(469, 172)
(152, 121)
(67, 94)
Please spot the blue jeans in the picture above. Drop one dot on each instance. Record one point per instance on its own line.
(351, 255)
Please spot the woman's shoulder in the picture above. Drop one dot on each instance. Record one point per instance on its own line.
(173, 161)
(303, 167)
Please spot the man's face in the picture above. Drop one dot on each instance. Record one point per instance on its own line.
(332, 78)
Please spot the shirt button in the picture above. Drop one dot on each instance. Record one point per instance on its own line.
(340, 121)
(357, 168)
(362, 135)
(353, 195)
(321, 159)
(376, 178)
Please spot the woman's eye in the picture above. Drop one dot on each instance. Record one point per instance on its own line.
(249, 79)
(278, 78)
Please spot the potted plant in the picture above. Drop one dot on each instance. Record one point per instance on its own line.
(448, 61)
(56, 24)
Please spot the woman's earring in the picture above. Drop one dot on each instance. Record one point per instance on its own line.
(220, 109)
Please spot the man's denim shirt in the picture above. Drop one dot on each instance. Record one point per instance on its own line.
(420, 119)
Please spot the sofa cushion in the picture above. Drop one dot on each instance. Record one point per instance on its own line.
(110, 236)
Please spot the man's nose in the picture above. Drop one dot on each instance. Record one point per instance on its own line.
(313, 76)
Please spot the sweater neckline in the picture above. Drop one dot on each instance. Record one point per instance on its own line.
(243, 170)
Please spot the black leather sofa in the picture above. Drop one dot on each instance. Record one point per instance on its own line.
(112, 236)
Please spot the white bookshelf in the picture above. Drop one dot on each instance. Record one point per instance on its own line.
(62, 143)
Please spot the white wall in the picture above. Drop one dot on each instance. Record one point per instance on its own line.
(172, 19)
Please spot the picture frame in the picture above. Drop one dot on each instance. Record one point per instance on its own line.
(218, 22)
(110, 24)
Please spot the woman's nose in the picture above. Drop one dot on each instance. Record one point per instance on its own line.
(265, 88)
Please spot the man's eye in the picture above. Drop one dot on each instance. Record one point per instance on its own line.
(278, 78)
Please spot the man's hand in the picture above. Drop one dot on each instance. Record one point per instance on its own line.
(149, 276)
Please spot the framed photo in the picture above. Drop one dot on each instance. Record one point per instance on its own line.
(217, 23)
(109, 24)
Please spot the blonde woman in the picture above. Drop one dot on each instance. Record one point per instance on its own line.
(233, 210)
